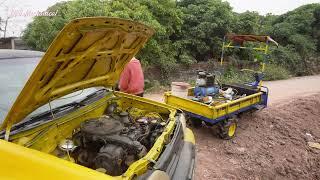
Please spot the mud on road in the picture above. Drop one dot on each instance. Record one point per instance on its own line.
(271, 144)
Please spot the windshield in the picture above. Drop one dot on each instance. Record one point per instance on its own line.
(14, 73)
(73, 97)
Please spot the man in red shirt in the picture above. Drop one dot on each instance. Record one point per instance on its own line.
(132, 79)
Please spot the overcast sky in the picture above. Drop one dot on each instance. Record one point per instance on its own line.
(268, 6)
(30, 7)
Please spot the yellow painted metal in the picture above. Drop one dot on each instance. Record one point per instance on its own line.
(140, 102)
(64, 125)
(88, 52)
(26, 163)
(256, 48)
(189, 105)
(139, 167)
(45, 138)
(212, 112)
(189, 136)
(232, 129)
(264, 47)
(18, 162)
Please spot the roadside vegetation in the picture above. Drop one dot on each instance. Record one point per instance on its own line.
(190, 31)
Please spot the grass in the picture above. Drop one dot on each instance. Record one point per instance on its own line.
(275, 72)
(272, 72)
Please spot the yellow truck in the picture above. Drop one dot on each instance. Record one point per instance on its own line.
(224, 110)
(68, 123)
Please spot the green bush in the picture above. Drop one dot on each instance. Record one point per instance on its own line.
(272, 72)
(233, 75)
(275, 72)
(287, 57)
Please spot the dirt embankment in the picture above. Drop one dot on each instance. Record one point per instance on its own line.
(271, 144)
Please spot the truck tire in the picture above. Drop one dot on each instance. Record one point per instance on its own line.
(227, 128)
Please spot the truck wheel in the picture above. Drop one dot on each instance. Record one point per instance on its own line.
(228, 128)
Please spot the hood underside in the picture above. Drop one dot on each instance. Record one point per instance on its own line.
(88, 52)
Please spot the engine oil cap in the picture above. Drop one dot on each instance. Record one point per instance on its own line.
(67, 145)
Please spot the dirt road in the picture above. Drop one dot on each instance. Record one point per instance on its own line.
(291, 88)
(271, 144)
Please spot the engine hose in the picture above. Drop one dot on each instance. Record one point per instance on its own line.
(143, 136)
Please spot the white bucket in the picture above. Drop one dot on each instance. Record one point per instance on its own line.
(180, 89)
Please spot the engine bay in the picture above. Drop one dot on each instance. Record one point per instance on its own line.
(113, 141)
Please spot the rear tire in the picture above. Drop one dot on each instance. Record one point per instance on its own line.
(227, 128)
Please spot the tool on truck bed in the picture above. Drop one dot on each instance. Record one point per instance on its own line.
(216, 103)
(210, 91)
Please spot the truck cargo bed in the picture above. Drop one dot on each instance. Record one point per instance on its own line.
(254, 99)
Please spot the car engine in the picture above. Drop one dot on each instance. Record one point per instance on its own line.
(111, 143)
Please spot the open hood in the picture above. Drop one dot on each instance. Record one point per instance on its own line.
(88, 52)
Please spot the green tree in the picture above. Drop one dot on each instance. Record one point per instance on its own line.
(298, 21)
(205, 24)
(247, 23)
(297, 30)
(316, 27)
(188, 31)
(162, 15)
(39, 34)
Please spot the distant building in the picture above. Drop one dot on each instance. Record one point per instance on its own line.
(12, 43)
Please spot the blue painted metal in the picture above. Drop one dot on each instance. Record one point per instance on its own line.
(258, 78)
(206, 91)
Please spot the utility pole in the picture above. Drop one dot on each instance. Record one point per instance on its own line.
(4, 29)
(0, 24)
(4, 20)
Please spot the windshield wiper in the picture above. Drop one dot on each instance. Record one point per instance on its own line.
(56, 110)
(97, 94)
(44, 117)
